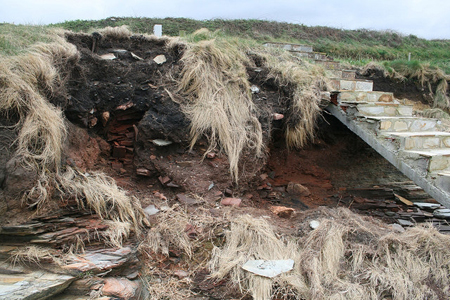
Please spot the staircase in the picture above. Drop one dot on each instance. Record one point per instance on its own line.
(418, 147)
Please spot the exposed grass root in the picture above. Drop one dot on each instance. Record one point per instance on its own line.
(423, 73)
(99, 192)
(27, 83)
(305, 83)
(347, 257)
(219, 103)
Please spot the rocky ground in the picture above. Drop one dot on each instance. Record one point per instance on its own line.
(123, 120)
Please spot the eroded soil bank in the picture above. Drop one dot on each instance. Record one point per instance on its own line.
(124, 118)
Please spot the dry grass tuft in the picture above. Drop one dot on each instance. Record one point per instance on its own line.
(120, 32)
(176, 229)
(27, 82)
(159, 286)
(35, 255)
(305, 83)
(219, 103)
(347, 257)
(99, 192)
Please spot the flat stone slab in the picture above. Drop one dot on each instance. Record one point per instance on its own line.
(32, 285)
(100, 260)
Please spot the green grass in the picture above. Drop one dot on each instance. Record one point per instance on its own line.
(358, 44)
(356, 47)
(14, 39)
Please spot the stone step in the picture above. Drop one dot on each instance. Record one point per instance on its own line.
(343, 74)
(364, 96)
(351, 84)
(290, 47)
(419, 140)
(312, 55)
(384, 109)
(402, 124)
(329, 65)
(429, 161)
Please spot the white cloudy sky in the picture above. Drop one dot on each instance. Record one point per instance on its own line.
(424, 18)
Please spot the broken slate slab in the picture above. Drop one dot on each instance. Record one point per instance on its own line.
(268, 268)
(424, 205)
(442, 213)
(100, 260)
(405, 222)
(33, 285)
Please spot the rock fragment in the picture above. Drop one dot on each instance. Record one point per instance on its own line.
(231, 202)
(282, 211)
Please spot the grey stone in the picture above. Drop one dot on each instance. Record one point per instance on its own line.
(34, 285)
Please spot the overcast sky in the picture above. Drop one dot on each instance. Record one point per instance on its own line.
(424, 18)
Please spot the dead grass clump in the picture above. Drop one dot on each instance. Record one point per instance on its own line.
(177, 229)
(347, 257)
(35, 255)
(120, 32)
(99, 192)
(219, 103)
(305, 83)
(159, 286)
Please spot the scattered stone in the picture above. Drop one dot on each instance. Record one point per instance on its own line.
(403, 200)
(255, 89)
(108, 56)
(297, 189)
(263, 176)
(186, 200)
(172, 185)
(135, 56)
(228, 192)
(105, 118)
(161, 143)
(268, 268)
(424, 205)
(119, 287)
(133, 275)
(125, 106)
(314, 224)
(143, 172)
(277, 116)
(164, 180)
(282, 211)
(92, 122)
(211, 186)
(151, 210)
(211, 155)
(160, 59)
(181, 274)
(442, 213)
(162, 197)
(231, 202)
(397, 227)
(405, 222)
(152, 157)
(185, 163)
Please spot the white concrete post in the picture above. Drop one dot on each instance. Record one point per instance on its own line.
(157, 30)
(409, 56)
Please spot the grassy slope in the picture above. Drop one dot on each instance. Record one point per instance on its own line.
(356, 46)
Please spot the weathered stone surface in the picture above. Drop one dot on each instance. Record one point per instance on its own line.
(100, 260)
(297, 189)
(120, 287)
(32, 285)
